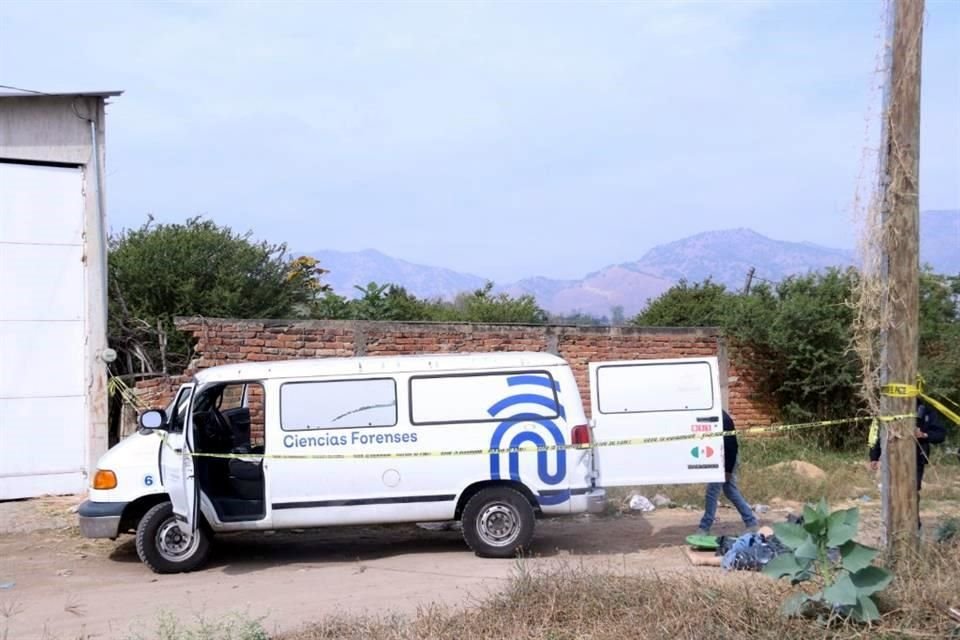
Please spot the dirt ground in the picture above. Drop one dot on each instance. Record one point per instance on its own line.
(56, 585)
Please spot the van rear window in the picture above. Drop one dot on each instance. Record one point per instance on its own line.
(682, 386)
(483, 397)
(338, 404)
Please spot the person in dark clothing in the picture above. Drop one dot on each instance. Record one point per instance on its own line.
(929, 430)
(729, 487)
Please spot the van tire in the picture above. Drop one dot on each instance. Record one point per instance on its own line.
(498, 522)
(157, 523)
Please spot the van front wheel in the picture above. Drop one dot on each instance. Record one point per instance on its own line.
(164, 548)
(498, 522)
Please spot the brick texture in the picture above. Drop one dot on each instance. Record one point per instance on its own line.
(224, 341)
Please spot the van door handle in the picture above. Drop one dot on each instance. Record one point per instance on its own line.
(708, 419)
(178, 450)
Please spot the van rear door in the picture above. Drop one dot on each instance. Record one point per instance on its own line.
(671, 398)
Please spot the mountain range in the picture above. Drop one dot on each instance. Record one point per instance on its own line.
(726, 256)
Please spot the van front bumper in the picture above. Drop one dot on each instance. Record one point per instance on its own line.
(597, 501)
(100, 519)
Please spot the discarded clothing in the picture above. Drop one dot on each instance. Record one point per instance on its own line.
(749, 552)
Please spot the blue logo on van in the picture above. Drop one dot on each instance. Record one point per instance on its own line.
(527, 398)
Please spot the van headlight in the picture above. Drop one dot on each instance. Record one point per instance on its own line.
(104, 479)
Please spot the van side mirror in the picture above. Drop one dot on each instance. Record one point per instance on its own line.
(153, 419)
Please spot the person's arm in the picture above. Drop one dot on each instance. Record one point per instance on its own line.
(936, 432)
(731, 447)
(929, 426)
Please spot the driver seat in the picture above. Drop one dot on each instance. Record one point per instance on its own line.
(244, 476)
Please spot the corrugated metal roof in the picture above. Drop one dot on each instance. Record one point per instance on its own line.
(60, 94)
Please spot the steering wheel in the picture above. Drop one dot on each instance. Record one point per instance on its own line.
(217, 427)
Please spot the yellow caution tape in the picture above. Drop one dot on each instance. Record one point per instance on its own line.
(900, 390)
(740, 433)
(116, 385)
(874, 434)
(953, 416)
(948, 400)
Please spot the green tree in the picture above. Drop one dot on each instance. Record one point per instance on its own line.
(372, 303)
(940, 333)
(393, 302)
(792, 337)
(331, 306)
(390, 302)
(701, 304)
(796, 338)
(160, 271)
(484, 306)
(578, 318)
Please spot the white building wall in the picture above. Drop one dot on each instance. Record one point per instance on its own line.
(53, 400)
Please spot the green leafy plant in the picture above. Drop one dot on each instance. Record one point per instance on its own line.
(824, 553)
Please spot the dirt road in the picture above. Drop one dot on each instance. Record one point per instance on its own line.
(65, 587)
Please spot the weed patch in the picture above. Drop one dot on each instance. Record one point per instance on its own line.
(233, 627)
(575, 603)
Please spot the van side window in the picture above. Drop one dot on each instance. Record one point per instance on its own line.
(338, 404)
(686, 386)
(178, 416)
(482, 397)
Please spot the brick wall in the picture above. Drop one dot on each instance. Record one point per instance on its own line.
(223, 341)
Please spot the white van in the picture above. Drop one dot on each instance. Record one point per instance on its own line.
(494, 440)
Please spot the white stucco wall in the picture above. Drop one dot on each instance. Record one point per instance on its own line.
(53, 400)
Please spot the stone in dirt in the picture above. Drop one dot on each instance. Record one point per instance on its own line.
(661, 500)
(800, 468)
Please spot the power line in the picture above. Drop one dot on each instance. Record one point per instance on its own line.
(39, 93)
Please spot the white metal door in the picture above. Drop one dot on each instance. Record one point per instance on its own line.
(44, 433)
(671, 398)
(176, 461)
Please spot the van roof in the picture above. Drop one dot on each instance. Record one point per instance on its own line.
(306, 367)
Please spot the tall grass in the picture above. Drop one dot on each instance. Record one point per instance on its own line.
(578, 603)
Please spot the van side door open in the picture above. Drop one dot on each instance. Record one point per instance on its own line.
(657, 398)
(177, 463)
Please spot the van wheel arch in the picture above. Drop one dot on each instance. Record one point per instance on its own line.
(135, 511)
(477, 487)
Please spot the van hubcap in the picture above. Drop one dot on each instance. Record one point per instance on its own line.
(498, 524)
(173, 544)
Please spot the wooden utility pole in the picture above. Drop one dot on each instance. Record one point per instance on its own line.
(746, 285)
(902, 267)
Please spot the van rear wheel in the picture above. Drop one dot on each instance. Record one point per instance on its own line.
(498, 522)
(164, 548)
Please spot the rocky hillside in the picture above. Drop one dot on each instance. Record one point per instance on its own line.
(725, 256)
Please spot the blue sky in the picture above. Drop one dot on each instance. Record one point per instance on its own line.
(503, 139)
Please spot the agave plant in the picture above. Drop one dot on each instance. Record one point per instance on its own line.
(823, 552)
